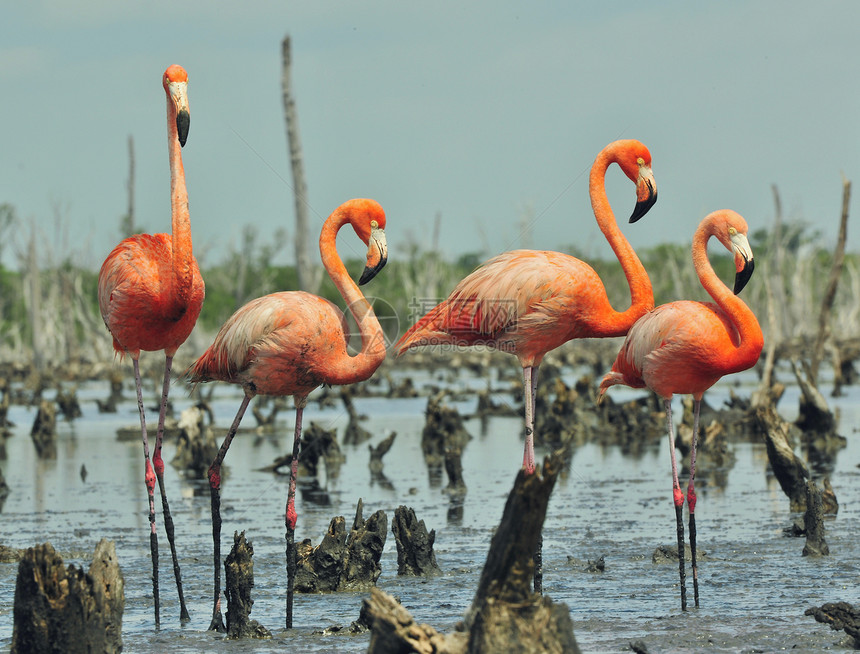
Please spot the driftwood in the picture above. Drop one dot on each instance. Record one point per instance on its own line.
(790, 471)
(415, 556)
(840, 616)
(813, 522)
(377, 476)
(354, 434)
(67, 610)
(115, 397)
(443, 430)
(506, 615)
(68, 403)
(238, 582)
(342, 562)
(196, 445)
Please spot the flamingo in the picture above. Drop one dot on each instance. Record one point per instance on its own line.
(686, 347)
(528, 302)
(289, 343)
(150, 294)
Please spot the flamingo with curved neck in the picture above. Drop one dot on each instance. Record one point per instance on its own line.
(289, 343)
(686, 347)
(150, 294)
(528, 302)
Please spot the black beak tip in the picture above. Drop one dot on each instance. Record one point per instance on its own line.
(370, 272)
(643, 206)
(183, 122)
(744, 276)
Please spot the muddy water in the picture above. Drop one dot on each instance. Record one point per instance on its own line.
(754, 583)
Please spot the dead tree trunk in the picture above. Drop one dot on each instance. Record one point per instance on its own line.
(35, 302)
(832, 284)
(309, 275)
(128, 226)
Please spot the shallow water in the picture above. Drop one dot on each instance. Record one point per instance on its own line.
(754, 583)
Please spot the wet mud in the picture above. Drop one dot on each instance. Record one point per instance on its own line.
(611, 503)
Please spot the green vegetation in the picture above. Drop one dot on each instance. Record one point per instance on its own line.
(63, 321)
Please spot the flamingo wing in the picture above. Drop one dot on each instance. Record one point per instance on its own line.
(278, 344)
(675, 348)
(516, 296)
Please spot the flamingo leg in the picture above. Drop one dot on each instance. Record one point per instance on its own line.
(291, 516)
(158, 463)
(217, 623)
(528, 401)
(149, 477)
(530, 391)
(691, 499)
(678, 499)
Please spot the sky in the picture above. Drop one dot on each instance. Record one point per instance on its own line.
(485, 114)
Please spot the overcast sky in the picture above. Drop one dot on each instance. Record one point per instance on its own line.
(483, 112)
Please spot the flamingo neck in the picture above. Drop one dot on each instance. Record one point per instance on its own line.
(641, 293)
(358, 368)
(751, 338)
(181, 223)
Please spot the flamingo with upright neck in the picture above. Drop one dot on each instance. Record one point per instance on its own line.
(687, 347)
(150, 294)
(289, 343)
(529, 302)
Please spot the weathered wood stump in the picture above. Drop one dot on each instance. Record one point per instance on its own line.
(68, 403)
(415, 556)
(238, 582)
(840, 616)
(813, 522)
(196, 445)
(67, 610)
(341, 561)
(354, 434)
(109, 405)
(789, 470)
(44, 431)
(506, 615)
(454, 469)
(377, 476)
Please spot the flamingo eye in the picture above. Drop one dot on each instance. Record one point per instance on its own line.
(732, 231)
(640, 161)
(374, 224)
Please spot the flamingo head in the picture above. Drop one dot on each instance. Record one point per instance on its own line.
(175, 82)
(368, 220)
(732, 232)
(635, 160)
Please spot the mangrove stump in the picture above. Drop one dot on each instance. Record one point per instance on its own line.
(415, 556)
(238, 582)
(66, 610)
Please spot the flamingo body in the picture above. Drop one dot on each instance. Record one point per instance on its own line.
(525, 302)
(286, 343)
(138, 298)
(150, 294)
(687, 347)
(289, 343)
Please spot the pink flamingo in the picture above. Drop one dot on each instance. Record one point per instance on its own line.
(150, 294)
(686, 347)
(290, 343)
(528, 302)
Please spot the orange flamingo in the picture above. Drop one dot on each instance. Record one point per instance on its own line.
(528, 302)
(289, 343)
(686, 347)
(150, 294)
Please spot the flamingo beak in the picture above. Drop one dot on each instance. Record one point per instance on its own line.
(646, 192)
(179, 95)
(744, 262)
(377, 255)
